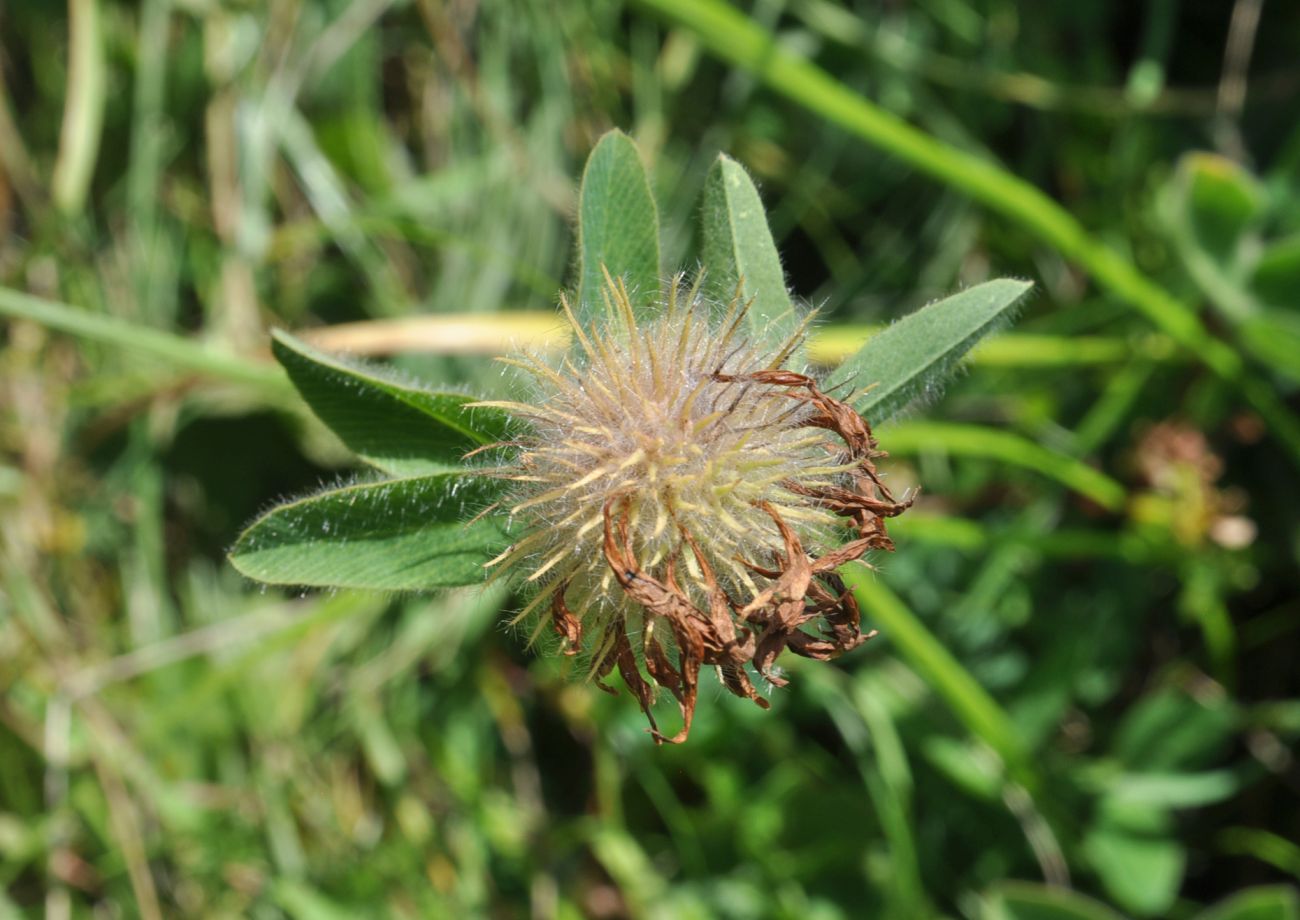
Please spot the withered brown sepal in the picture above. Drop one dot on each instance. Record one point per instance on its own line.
(732, 633)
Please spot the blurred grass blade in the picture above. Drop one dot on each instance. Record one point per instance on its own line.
(1275, 279)
(330, 199)
(618, 227)
(623, 857)
(993, 444)
(148, 127)
(543, 330)
(110, 330)
(83, 112)
(969, 702)
(1273, 336)
(395, 535)
(732, 36)
(912, 357)
(1271, 902)
(833, 344)
(402, 429)
(302, 902)
(1267, 847)
(737, 248)
(1031, 901)
(533, 331)
(867, 726)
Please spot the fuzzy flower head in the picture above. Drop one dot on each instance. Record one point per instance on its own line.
(684, 501)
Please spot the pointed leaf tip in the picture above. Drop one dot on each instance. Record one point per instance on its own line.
(912, 358)
(618, 227)
(738, 250)
(400, 428)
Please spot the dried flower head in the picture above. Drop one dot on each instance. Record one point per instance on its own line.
(684, 501)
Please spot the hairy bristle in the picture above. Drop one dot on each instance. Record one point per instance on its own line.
(679, 447)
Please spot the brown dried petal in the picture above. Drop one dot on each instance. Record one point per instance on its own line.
(801, 588)
(566, 625)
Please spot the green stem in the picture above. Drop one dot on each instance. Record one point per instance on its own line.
(733, 37)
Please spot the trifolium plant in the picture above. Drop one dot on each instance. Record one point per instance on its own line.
(673, 497)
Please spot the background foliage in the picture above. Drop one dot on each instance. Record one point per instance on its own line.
(1107, 550)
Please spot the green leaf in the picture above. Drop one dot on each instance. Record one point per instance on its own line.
(1275, 902)
(1030, 901)
(398, 534)
(1169, 730)
(737, 248)
(911, 358)
(1142, 873)
(1172, 790)
(1208, 209)
(1134, 852)
(1276, 279)
(977, 777)
(1220, 200)
(402, 429)
(1273, 336)
(618, 227)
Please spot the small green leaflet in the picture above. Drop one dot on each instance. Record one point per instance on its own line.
(912, 358)
(738, 250)
(409, 534)
(400, 428)
(618, 228)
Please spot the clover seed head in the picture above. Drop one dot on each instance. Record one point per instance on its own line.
(677, 487)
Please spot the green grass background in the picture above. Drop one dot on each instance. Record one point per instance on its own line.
(1084, 701)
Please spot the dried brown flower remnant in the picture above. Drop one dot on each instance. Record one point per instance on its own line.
(1182, 471)
(686, 501)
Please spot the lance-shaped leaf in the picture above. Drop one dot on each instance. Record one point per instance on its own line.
(398, 535)
(402, 429)
(737, 249)
(618, 227)
(914, 356)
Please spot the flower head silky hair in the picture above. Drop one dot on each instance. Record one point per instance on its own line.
(686, 501)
